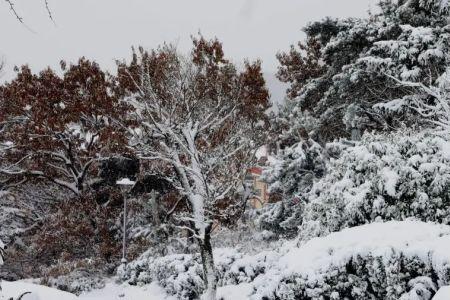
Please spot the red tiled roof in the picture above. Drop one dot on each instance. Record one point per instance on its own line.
(255, 170)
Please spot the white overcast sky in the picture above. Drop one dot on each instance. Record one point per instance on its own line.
(105, 30)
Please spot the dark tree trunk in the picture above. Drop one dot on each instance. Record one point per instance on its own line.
(209, 269)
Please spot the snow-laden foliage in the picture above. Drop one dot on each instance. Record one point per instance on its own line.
(408, 40)
(382, 178)
(290, 177)
(76, 282)
(293, 173)
(432, 103)
(181, 275)
(405, 260)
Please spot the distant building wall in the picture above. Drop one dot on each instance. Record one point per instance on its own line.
(260, 188)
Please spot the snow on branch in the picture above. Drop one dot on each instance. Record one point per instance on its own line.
(436, 111)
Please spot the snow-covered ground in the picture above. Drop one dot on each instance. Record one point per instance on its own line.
(443, 294)
(111, 291)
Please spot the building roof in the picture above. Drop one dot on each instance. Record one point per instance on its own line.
(255, 170)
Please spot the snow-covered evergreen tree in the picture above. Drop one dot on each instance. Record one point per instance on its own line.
(408, 40)
(290, 177)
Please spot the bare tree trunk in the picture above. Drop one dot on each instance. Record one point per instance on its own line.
(209, 269)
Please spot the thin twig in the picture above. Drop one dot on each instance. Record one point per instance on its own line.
(50, 15)
(18, 17)
(11, 6)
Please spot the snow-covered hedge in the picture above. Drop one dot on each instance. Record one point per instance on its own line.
(181, 275)
(178, 274)
(290, 176)
(76, 282)
(407, 260)
(382, 178)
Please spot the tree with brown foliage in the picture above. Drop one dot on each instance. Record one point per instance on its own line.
(59, 128)
(299, 66)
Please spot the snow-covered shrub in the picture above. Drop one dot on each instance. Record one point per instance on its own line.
(407, 260)
(382, 177)
(246, 268)
(76, 282)
(244, 238)
(181, 275)
(291, 176)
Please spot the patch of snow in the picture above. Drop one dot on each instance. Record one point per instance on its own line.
(235, 292)
(443, 293)
(390, 181)
(125, 181)
(38, 292)
(113, 291)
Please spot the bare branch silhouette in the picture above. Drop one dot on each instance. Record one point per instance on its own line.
(50, 14)
(11, 6)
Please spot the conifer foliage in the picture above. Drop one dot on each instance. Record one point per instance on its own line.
(342, 75)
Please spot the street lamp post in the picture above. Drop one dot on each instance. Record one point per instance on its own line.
(125, 185)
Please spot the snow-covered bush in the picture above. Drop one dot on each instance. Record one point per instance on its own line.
(181, 275)
(382, 178)
(246, 268)
(76, 282)
(291, 176)
(407, 260)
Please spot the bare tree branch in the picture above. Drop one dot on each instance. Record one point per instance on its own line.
(49, 12)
